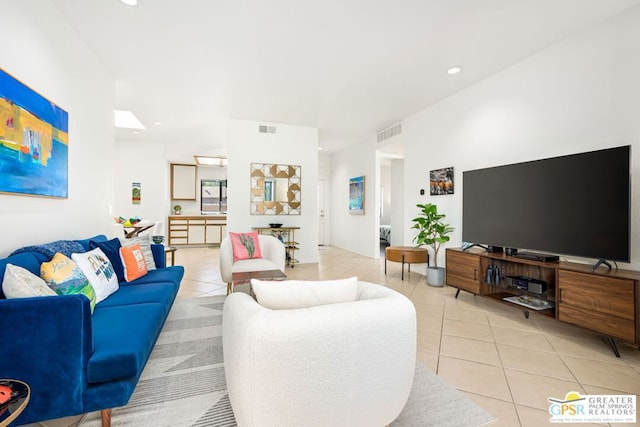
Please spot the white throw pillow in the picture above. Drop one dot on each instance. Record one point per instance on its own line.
(145, 245)
(98, 269)
(291, 294)
(19, 282)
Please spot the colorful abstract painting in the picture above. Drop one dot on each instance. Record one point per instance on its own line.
(356, 196)
(34, 142)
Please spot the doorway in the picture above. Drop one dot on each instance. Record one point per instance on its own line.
(391, 194)
(321, 212)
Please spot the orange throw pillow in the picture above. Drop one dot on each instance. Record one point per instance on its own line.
(245, 245)
(133, 261)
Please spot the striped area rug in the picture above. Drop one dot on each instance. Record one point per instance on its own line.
(183, 383)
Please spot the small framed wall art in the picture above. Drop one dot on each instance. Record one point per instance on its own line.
(356, 196)
(136, 193)
(441, 181)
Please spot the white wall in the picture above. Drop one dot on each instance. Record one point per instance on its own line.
(44, 53)
(397, 202)
(293, 145)
(578, 95)
(147, 163)
(385, 184)
(324, 174)
(210, 172)
(142, 162)
(356, 233)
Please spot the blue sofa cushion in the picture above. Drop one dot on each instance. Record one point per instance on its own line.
(111, 249)
(162, 293)
(86, 242)
(123, 339)
(171, 274)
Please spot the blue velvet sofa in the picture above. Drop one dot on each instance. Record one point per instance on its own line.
(76, 362)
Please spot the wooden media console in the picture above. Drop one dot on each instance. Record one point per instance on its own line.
(604, 301)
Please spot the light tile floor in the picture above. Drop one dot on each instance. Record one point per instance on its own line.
(507, 364)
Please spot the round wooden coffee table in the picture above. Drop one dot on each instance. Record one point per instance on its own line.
(14, 397)
(405, 255)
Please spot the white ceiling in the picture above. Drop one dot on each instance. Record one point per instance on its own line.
(347, 67)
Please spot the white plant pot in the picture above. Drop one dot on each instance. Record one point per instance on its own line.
(435, 276)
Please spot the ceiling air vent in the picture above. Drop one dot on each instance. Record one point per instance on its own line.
(390, 132)
(266, 129)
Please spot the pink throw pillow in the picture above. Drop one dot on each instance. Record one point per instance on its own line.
(245, 245)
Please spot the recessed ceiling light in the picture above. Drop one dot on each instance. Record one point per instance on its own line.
(135, 132)
(319, 148)
(157, 123)
(127, 120)
(210, 161)
(455, 69)
(129, 2)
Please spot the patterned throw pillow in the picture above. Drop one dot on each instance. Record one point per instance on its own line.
(65, 278)
(145, 245)
(97, 267)
(111, 248)
(245, 246)
(133, 261)
(19, 282)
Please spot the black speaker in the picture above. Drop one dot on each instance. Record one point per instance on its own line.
(495, 249)
(511, 251)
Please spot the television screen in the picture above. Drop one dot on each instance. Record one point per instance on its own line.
(572, 205)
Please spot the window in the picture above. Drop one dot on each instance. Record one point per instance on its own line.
(213, 196)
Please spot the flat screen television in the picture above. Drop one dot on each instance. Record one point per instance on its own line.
(576, 205)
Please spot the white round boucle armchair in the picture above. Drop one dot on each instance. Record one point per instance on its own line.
(273, 258)
(345, 364)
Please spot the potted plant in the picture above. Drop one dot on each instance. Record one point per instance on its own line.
(177, 209)
(432, 231)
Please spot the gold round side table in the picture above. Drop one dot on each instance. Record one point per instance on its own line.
(14, 397)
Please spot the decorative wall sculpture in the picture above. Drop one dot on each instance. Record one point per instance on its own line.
(275, 189)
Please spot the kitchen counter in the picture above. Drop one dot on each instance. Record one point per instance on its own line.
(196, 230)
(182, 216)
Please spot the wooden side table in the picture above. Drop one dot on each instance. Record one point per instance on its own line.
(405, 255)
(244, 277)
(14, 397)
(170, 250)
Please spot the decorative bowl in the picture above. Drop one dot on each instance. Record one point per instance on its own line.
(275, 225)
(157, 239)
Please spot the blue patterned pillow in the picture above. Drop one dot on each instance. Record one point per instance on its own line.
(65, 247)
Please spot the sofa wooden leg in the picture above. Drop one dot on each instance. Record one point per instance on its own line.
(106, 417)
(229, 288)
